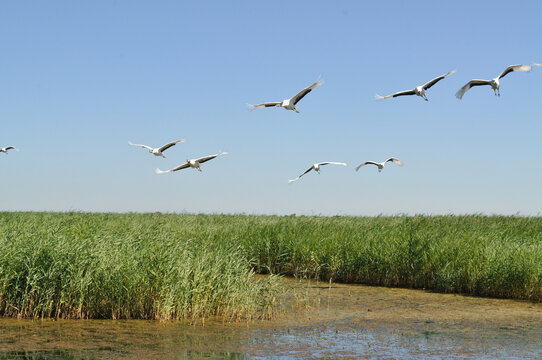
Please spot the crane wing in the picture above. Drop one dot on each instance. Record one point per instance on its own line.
(437, 79)
(367, 163)
(332, 163)
(514, 68)
(180, 167)
(269, 104)
(475, 82)
(395, 160)
(168, 145)
(400, 93)
(300, 95)
(140, 145)
(183, 166)
(297, 178)
(210, 157)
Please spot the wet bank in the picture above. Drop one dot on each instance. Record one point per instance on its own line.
(319, 321)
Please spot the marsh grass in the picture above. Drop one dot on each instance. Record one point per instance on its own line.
(476, 255)
(164, 266)
(123, 266)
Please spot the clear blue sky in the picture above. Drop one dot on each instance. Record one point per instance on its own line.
(79, 79)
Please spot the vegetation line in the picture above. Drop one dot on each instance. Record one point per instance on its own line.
(164, 266)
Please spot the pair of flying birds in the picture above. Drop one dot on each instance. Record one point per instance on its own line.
(494, 83)
(380, 166)
(291, 104)
(193, 163)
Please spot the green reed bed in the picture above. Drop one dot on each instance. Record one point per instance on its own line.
(164, 266)
(76, 265)
(492, 256)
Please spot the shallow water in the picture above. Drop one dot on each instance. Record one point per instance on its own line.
(341, 321)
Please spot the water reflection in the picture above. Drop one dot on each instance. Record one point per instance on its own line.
(323, 322)
(64, 354)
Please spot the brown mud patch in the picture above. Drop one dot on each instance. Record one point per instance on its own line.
(319, 321)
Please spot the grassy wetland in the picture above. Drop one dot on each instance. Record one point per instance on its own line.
(165, 266)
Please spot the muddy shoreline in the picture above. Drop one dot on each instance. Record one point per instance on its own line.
(319, 321)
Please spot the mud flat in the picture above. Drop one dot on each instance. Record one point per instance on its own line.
(319, 321)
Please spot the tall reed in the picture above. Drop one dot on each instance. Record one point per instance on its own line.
(494, 256)
(75, 265)
(165, 266)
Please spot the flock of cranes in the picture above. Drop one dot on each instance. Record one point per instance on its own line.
(291, 104)
(288, 104)
(196, 163)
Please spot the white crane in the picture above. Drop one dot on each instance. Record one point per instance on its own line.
(194, 163)
(418, 90)
(494, 83)
(5, 149)
(158, 151)
(290, 104)
(380, 165)
(316, 167)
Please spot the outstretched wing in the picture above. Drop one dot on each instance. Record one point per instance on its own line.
(269, 104)
(167, 146)
(367, 163)
(180, 167)
(210, 157)
(475, 82)
(140, 145)
(395, 160)
(183, 166)
(297, 178)
(437, 79)
(400, 93)
(300, 95)
(332, 163)
(9, 148)
(514, 68)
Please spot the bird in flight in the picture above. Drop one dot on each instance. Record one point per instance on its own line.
(316, 167)
(380, 165)
(290, 104)
(418, 90)
(5, 149)
(158, 151)
(194, 163)
(494, 83)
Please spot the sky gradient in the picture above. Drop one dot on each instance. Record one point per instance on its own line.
(81, 79)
